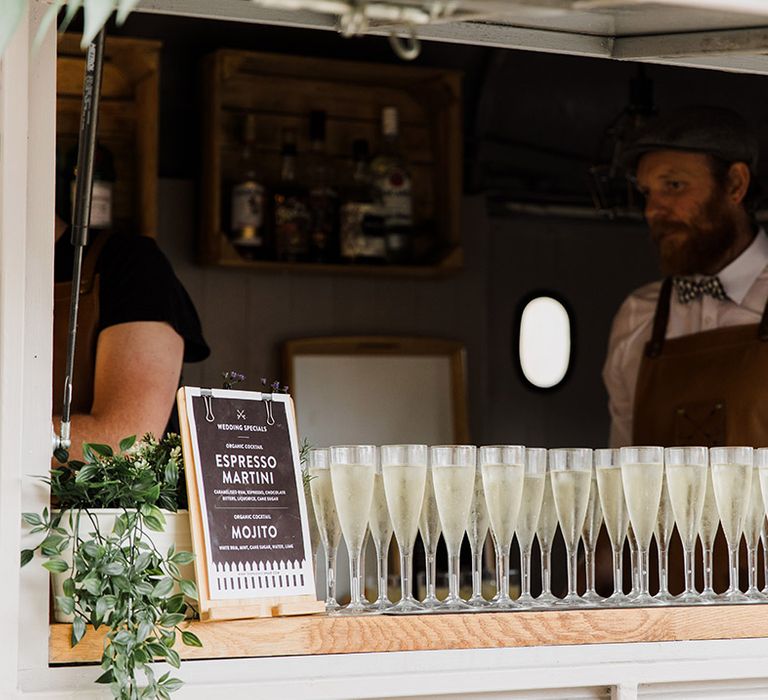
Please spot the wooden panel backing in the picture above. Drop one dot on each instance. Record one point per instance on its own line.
(350, 635)
(128, 121)
(282, 91)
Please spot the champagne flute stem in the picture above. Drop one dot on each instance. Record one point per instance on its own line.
(330, 574)
(663, 578)
(707, 556)
(546, 574)
(504, 580)
(354, 579)
(733, 566)
(589, 560)
(573, 563)
(752, 565)
(525, 572)
(431, 574)
(690, 582)
(642, 573)
(477, 572)
(406, 584)
(618, 572)
(453, 576)
(381, 565)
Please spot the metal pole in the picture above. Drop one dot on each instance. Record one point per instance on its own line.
(81, 217)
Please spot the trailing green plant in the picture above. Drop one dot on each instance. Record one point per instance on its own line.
(119, 578)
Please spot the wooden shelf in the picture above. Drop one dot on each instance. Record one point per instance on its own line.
(321, 634)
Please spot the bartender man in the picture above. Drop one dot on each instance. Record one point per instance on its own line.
(136, 327)
(687, 358)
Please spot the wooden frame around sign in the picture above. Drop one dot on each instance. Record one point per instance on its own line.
(229, 609)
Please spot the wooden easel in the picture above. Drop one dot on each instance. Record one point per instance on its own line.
(230, 609)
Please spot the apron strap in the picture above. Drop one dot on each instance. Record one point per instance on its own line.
(92, 259)
(762, 329)
(661, 317)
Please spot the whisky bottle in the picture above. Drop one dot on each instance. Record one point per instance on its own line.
(323, 196)
(362, 223)
(290, 206)
(393, 185)
(247, 227)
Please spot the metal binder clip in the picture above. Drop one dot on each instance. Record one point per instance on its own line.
(268, 404)
(207, 395)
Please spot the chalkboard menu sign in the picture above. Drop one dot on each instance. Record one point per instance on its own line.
(246, 484)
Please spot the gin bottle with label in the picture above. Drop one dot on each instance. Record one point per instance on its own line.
(290, 206)
(247, 229)
(323, 195)
(362, 223)
(393, 184)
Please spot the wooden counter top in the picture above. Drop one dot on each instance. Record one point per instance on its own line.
(322, 634)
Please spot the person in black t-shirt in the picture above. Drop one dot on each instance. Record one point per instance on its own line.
(143, 325)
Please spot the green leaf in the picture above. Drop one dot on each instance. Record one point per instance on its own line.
(154, 524)
(120, 526)
(107, 677)
(56, 566)
(183, 558)
(172, 684)
(176, 604)
(173, 658)
(66, 604)
(127, 443)
(31, 519)
(92, 584)
(78, 630)
(10, 14)
(143, 588)
(191, 639)
(157, 649)
(170, 619)
(69, 587)
(115, 568)
(86, 473)
(163, 588)
(103, 450)
(104, 605)
(26, 556)
(144, 630)
(188, 588)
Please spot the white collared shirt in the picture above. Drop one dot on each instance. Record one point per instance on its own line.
(745, 281)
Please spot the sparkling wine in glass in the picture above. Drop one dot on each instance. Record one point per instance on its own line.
(327, 517)
(503, 469)
(761, 462)
(528, 518)
(571, 471)
(429, 528)
(764, 541)
(615, 516)
(380, 526)
(353, 470)
(732, 469)
(405, 473)
(314, 530)
(686, 471)
(545, 534)
(590, 531)
(665, 523)
(753, 526)
(477, 531)
(453, 474)
(710, 521)
(642, 473)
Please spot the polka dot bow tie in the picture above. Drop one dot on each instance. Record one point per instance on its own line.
(689, 289)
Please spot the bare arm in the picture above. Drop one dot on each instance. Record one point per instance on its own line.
(137, 372)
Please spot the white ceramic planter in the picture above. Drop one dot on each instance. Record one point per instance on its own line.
(176, 533)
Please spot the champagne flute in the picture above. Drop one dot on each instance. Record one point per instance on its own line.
(380, 526)
(634, 558)
(314, 530)
(589, 534)
(710, 521)
(571, 470)
(545, 534)
(453, 475)
(753, 526)
(528, 519)
(686, 471)
(405, 473)
(642, 473)
(732, 479)
(353, 468)
(761, 462)
(477, 531)
(615, 514)
(429, 528)
(327, 517)
(503, 469)
(665, 523)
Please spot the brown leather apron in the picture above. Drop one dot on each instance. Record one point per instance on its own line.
(87, 333)
(708, 388)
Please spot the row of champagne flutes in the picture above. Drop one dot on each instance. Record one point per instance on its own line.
(638, 492)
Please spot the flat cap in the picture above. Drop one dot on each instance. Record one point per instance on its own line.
(718, 131)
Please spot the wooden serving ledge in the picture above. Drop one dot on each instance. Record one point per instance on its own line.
(321, 634)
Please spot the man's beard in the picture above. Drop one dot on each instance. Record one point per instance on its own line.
(698, 246)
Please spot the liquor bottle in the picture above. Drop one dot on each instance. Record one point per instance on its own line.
(393, 184)
(323, 196)
(102, 194)
(290, 206)
(247, 224)
(362, 223)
